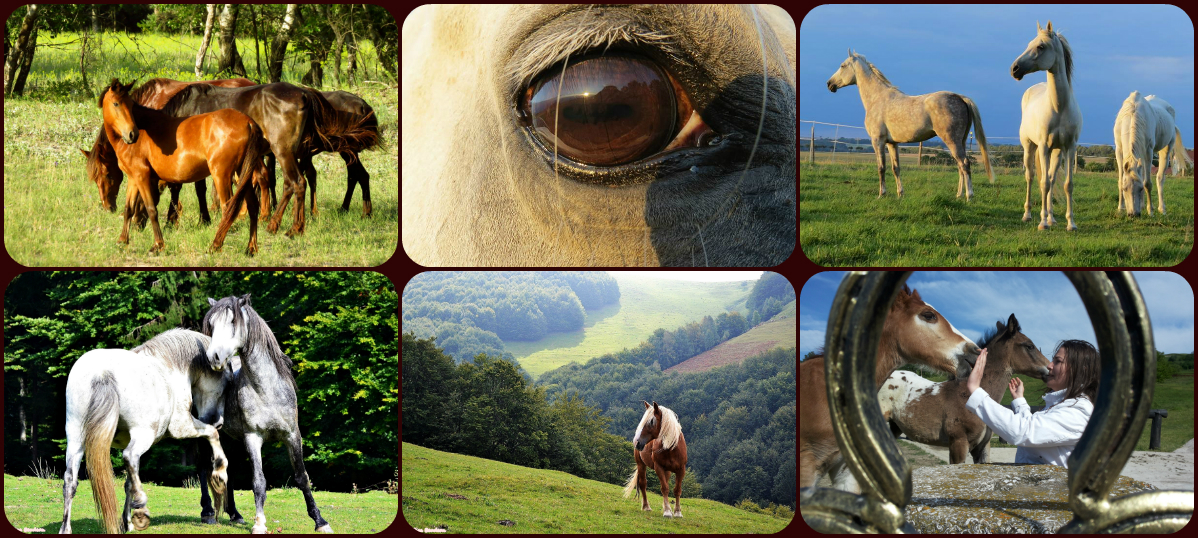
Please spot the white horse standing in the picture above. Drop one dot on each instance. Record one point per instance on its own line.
(895, 117)
(134, 398)
(1145, 126)
(1050, 120)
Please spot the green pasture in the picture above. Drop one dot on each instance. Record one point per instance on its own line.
(52, 214)
(468, 495)
(842, 222)
(645, 305)
(36, 503)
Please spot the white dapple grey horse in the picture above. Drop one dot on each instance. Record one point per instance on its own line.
(1145, 125)
(131, 399)
(713, 108)
(1050, 120)
(260, 402)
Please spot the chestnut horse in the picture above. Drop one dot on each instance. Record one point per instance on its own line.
(102, 165)
(936, 413)
(659, 443)
(913, 333)
(153, 146)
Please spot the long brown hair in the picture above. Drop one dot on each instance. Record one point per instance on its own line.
(1083, 368)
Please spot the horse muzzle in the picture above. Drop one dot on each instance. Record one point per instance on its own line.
(640, 446)
(1017, 72)
(832, 87)
(131, 137)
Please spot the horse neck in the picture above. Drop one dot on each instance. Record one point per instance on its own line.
(996, 373)
(888, 357)
(1058, 84)
(870, 88)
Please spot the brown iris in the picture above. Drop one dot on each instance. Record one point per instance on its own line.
(610, 111)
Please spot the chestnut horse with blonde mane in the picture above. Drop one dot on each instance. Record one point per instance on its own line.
(660, 444)
(913, 333)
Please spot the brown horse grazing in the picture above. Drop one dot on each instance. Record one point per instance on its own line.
(153, 146)
(913, 333)
(297, 122)
(102, 165)
(936, 413)
(660, 444)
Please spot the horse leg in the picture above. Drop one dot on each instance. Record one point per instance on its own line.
(131, 198)
(841, 476)
(244, 190)
(202, 202)
(291, 177)
(175, 207)
(254, 448)
(679, 489)
(958, 450)
(641, 484)
(894, 152)
(208, 514)
(807, 468)
(296, 452)
(299, 215)
(271, 179)
(964, 169)
(71, 475)
(878, 145)
(310, 173)
(1164, 157)
(663, 477)
(979, 454)
(136, 516)
(149, 192)
(1069, 187)
(356, 174)
(1044, 181)
(1031, 168)
(1120, 177)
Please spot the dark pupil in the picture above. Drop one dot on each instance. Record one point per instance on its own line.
(612, 110)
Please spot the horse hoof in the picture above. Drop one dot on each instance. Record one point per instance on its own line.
(1042, 226)
(141, 522)
(1072, 227)
(237, 520)
(668, 515)
(325, 529)
(678, 514)
(208, 520)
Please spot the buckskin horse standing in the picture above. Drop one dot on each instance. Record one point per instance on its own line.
(936, 413)
(913, 333)
(659, 444)
(894, 117)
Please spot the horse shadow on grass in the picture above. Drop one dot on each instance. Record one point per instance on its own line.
(93, 526)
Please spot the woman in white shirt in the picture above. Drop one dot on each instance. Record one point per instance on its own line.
(1047, 436)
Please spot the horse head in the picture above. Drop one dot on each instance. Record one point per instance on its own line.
(116, 106)
(1017, 350)
(225, 323)
(844, 76)
(1042, 53)
(921, 335)
(649, 427)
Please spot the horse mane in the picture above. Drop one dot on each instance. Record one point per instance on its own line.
(258, 334)
(148, 87)
(993, 333)
(875, 71)
(1137, 144)
(354, 132)
(180, 348)
(179, 103)
(669, 432)
(1067, 55)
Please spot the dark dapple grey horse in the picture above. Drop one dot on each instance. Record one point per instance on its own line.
(260, 402)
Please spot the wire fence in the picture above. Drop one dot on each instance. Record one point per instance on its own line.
(824, 144)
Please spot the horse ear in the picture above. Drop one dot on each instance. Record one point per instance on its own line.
(212, 302)
(86, 154)
(999, 328)
(849, 53)
(1049, 26)
(916, 296)
(656, 405)
(245, 299)
(1013, 325)
(646, 404)
(1039, 24)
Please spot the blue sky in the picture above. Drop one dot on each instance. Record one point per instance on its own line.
(1045, 304)
(969, 49)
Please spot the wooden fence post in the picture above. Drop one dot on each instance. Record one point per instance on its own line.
(920, 150)
(812, 144)
(835, 141)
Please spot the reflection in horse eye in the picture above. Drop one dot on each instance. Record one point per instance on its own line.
(605, 111)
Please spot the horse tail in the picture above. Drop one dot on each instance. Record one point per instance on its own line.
(631, 485)
(336, 131)
(1181, 155)
(252, 157)
(980, 136)
(99, 427)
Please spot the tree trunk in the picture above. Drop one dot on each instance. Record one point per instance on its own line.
(212, 8)
(26, 61)
(12, 63)
(95, 20)
(21, 410)
(83, 50)
(315, 75)
(279, 44)
(230, 59)
(257, 37)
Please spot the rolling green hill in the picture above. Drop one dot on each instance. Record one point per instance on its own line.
(780, 332)
(471, 496)
(646, 304)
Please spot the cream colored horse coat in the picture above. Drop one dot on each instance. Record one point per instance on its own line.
(475, 191)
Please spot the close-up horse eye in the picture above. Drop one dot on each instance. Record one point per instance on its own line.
(928, 316)
(609, 110)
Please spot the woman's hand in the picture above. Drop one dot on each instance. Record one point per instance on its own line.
(977, 372)
(1017, 388)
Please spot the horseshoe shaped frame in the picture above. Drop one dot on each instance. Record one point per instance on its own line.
(1128, 367)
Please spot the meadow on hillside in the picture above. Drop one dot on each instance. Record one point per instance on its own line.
(843, 223)
(52, 212)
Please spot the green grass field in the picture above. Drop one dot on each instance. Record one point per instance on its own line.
(471, 495)
(645, 305)
(843, 223)
(36, 503)
(52, 211)
(779, 332)
(1177, 395)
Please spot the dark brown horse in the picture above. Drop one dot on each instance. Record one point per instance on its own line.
(297, 122)
(102, 161)
(152, 146)
(936, 413)
(659, 444)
